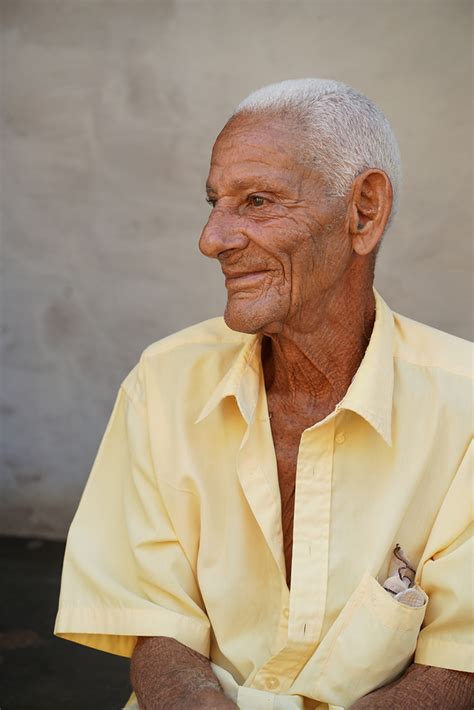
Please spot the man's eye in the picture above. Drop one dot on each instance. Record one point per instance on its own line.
(256, 200)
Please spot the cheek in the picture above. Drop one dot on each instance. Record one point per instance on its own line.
(281, 241)
(297, 248)
(298, 251)
(315, 260)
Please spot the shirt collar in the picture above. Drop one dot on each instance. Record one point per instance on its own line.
(370, 393)
(241, 381)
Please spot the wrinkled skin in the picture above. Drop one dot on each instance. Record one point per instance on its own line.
(299, 269)
(270, 216)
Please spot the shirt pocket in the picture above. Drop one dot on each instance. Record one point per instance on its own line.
(369, 644)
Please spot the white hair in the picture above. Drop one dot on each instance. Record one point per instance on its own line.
(346, 132)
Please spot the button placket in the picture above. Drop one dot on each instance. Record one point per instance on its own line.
(285, 666)
(310, 558)
(311, 537)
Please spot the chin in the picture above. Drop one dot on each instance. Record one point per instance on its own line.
(240, 323)
(245, 319)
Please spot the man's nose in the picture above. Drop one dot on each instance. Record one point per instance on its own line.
(223, 232)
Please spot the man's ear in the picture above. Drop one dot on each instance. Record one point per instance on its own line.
(370, 207)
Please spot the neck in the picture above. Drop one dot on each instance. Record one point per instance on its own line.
(310, 368)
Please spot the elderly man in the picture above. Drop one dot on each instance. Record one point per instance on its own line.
(280, 508)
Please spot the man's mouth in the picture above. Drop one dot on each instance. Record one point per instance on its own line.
(237, 279)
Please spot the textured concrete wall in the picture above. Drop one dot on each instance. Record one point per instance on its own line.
(109, 111)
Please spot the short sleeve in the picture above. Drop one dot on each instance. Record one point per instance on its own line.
(125, 573)
(447, 637)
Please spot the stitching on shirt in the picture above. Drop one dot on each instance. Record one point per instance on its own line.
(211, 340)
(426, 642)
(441, 368)
(133, 396)
(118, 611)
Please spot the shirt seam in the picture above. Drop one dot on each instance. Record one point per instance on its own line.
(441, 642)
(101, 610)
(427, 366)
(173, 346)
(131, 396)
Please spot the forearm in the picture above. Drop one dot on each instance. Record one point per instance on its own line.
(423, 688)
(166, 674)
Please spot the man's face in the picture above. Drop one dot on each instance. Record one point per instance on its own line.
(282, 244)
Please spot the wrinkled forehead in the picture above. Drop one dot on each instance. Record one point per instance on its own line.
(254, 144)
(265, 132)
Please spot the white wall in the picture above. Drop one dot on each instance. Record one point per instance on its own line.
(109, 110)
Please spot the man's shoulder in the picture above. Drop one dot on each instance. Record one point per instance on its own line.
(204, 349)
(422, 345)
(200, 336)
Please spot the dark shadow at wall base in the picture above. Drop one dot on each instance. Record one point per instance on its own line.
(37, 670)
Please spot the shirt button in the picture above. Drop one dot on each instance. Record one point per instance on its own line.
(272, 683)
(340, 438)
(286, 612)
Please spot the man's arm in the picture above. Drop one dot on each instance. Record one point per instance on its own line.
(166, 674)
(423, 688)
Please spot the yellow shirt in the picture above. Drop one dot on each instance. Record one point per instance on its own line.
(178, 532)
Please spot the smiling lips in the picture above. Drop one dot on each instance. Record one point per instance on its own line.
(238, 279)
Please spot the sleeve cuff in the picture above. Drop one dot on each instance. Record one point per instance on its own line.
(116, 630)
(445, 654)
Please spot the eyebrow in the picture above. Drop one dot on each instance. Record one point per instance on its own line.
(250, 183)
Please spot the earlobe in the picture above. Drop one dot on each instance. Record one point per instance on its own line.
(364, 242)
